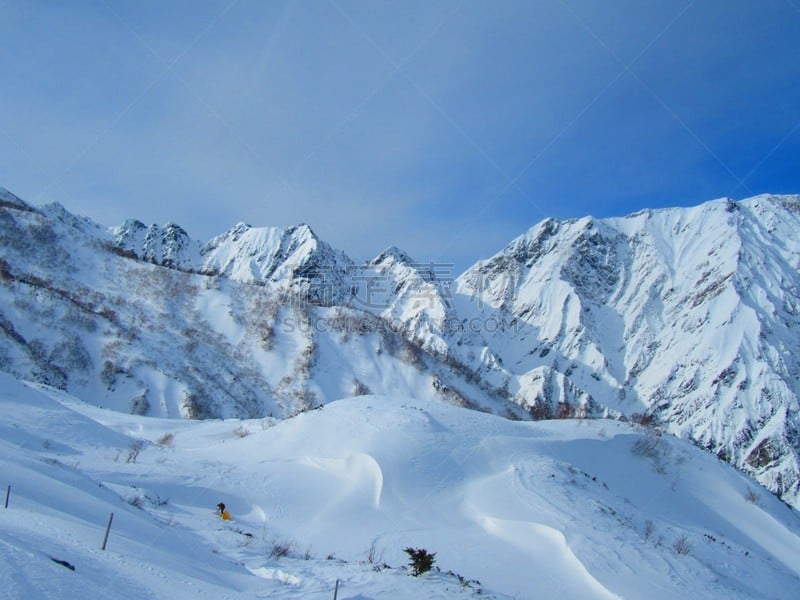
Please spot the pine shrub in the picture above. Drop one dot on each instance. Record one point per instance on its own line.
(421, 560)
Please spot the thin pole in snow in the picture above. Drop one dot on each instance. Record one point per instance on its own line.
(336, 590)
(108, 528)
(8, 494)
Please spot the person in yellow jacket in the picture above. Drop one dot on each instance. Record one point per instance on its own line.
(223, 513)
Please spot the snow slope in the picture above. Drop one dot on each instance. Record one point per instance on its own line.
(688, 316)
(570, 509)
(129, 319)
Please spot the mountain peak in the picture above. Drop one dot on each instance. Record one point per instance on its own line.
(392, 254)
(168, 245)
(303, 228)
(10, 200)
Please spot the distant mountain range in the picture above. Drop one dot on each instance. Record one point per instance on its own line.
(689, 318)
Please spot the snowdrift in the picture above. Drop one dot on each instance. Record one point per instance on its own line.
(574, 509)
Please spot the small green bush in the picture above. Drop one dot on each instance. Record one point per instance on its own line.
(421, 560)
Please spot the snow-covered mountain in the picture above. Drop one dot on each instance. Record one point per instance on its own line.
(686, 316)
(690, 316)
(256, 322)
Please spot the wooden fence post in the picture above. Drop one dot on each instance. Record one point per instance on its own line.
(8, 494)
(336, 590)
(108, 528)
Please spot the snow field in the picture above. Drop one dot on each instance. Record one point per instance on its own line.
(550, 509)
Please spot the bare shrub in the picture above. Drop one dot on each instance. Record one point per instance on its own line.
(5, 272)
(360, 389)
(196, 405)
(133, 450)
(158, 500)
(241, 431)
(540, 411)
(649, 529)
(123, 252)
(652, 447)
(564, 410)
(37, 350)
(411, 353)
(682, 545)
(466, 583)
(452, 395)
(166, 440)
(136, 502)
(648, 447)
(752, 496)
(281, 548)
(374, 554)
(109, 373)
(661, 468)
(140, 405)
(647, 421)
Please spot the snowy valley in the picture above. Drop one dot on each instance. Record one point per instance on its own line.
(350, 410)
(562, 508)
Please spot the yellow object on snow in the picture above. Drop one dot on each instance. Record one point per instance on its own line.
(225, 516)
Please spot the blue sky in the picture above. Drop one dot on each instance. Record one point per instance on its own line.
(446, 128)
